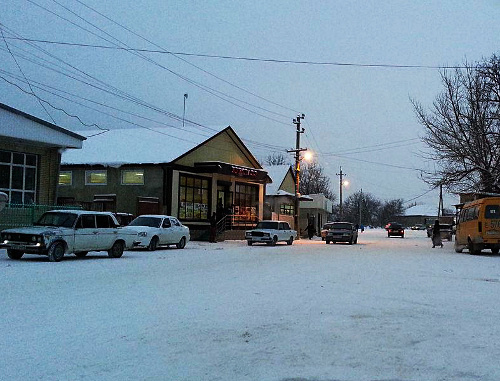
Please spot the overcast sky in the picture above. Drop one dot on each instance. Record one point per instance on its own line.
(358, 117)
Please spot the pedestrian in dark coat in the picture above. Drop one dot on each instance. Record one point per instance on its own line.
(436, 235)
(310, 230)
(213, 228)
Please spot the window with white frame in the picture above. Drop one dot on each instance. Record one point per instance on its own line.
(132, 177)
(97, 177)
(18, 176)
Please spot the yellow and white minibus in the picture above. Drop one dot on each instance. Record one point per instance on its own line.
(478, 226)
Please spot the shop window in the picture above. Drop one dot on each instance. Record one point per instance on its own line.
(287, 209)
(133, 177)
(18, 176)
(65, 178)
(246, 201)
(96, 177)
(193, 197)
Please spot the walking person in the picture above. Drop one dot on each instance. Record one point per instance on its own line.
(436, 235)
(310, 229)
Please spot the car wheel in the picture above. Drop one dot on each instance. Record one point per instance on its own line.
(273, 242)
(56, 252)
(350, 241)
(249, 243)
(494, 250)
(182, 243)
(356, 241)
(81, 254)
(290, 241)
(116, 250)
(14, 254)
(327, 242)
(153, 244)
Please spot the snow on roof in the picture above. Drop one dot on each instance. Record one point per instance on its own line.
(277, 173)
(135, 146)
(422, 210)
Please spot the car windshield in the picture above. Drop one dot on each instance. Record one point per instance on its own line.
(65, 220)
(327, 226)
(267, 225)
(152, 222)
(395, 226)
(341, 226)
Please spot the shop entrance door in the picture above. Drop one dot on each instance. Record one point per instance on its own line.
(224, 200)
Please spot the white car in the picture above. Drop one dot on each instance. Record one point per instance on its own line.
(271, 232)
(153, 230)
(60, 232)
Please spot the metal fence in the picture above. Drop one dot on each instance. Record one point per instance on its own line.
(18, 215)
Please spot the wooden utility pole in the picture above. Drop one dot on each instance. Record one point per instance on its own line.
(297, 151)
(341, 174)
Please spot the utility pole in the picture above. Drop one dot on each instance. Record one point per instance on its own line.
(297, 151)
(184, 109)
(341, 174)
(360, 201)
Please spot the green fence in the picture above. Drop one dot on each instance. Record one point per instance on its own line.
(17, 215)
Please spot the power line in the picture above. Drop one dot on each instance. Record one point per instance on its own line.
(182, 59)
(22, 72)
(221, 95)
(255, 59)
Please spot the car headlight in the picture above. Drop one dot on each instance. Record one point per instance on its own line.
(142, 234)
(248, 234)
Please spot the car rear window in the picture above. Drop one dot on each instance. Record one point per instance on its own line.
(492, 211)
(341, 226)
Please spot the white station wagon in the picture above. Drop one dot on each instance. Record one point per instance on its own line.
(61, 232)
(271, 232)
(153, 230)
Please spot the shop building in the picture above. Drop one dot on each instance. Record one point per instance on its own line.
(189, 176)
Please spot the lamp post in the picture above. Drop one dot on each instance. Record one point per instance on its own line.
(184, 109)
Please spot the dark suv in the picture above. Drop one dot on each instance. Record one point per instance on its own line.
(341, 232)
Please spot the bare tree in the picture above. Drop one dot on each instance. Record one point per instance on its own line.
(314, 181)
(462, 129)
(277, 158)
(361, 207)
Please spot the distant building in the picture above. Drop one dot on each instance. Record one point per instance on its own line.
(418, 215)
(315, 208)
(280, 194)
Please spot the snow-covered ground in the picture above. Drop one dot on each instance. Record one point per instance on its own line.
(385, 309)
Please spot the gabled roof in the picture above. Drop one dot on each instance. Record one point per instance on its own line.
(144, 146)
(277, 173)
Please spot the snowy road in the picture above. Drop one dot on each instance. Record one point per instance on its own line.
(385, 309)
